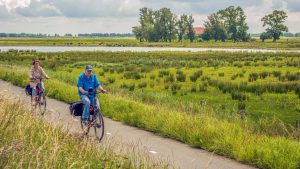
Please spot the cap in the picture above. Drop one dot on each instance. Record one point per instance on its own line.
(88, 67)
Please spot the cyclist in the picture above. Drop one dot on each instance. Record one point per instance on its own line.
(36, 72)
(87, 81)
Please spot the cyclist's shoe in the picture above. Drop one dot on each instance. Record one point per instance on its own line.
(86, 127)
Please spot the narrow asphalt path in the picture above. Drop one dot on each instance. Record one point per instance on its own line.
(175, 153)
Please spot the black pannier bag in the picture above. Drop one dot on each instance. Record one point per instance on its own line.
(28, 90)
(76, 108)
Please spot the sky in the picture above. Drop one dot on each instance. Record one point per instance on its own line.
(119, 16)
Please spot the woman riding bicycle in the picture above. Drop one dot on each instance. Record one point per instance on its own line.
(35, 74)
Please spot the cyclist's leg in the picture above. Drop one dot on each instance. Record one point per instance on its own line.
(34, 95)
(86, 101)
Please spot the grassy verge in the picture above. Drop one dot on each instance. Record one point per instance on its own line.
(284, 43)
(28, 142)
(227, 138)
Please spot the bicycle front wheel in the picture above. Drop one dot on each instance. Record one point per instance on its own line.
(41, 105)
(99, 126)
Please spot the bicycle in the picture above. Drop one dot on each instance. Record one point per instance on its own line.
(39, 101)
(95, 116)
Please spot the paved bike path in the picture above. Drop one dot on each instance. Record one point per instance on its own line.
(176, 153)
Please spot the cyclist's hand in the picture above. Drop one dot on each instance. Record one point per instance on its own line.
(103, 91)
(84, 92)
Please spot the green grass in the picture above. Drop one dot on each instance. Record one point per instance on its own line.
(284, 43)
(231, 138)
(28, 142)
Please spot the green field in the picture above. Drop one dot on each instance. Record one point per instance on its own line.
(283, 43)
(192, 97)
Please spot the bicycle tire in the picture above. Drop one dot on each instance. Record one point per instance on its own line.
(99, 127)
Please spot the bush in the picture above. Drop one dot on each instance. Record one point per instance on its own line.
(163, 73)
(175, 87)
(276, 73)
(221, 74)
(132, 75)
(111, 79)
(252, 77)
(142, 85)
(169, 78)
(181, 77)
(193, 89)
(238, 96)
(203, 87)
(120, 70)
(101, 73)
(152, 77)
(263, 75)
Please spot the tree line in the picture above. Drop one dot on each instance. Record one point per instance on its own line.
(227, 24)
(163, 26)
(39, 35)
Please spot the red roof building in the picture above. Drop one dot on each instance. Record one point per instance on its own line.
(199, 30)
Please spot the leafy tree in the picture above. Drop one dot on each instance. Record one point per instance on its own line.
(264, 36)
(165, 24)
(205, 36)
(156, 26)
(182, 26)
(235, 23)
(215, 28)
(275, 24)
(190, 28)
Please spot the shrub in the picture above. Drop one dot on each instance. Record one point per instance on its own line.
(263, 75)
(111, 79)
(252, 77)
(221, 74)
(163, 73)
(132, 75)
(193, 89)
(169, 78)
(181, 77)
(152, 76)
(142, 85)
(101, 73)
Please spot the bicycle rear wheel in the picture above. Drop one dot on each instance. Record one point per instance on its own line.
(99, 126)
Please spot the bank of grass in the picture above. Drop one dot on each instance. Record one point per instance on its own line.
(228, 138)
(28, 142)
(283, 43)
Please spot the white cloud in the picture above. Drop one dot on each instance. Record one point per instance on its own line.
(76, 16)
(13, 4)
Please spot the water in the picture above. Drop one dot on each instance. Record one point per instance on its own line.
(133, 49)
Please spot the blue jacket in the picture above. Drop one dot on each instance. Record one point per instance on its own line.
(86, 83)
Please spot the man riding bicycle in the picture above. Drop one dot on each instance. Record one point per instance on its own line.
(88, 81)
(35, 73)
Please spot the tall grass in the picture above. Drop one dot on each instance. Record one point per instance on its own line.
(224, 137)
(28, 142)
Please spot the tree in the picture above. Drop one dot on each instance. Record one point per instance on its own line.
(264, 36)
(297, 34)
(275, 24)
(156, 26)
(215, 28)
(235, 23)
(190, 28)
(182, 26)
(138, 32)
(165, 24)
